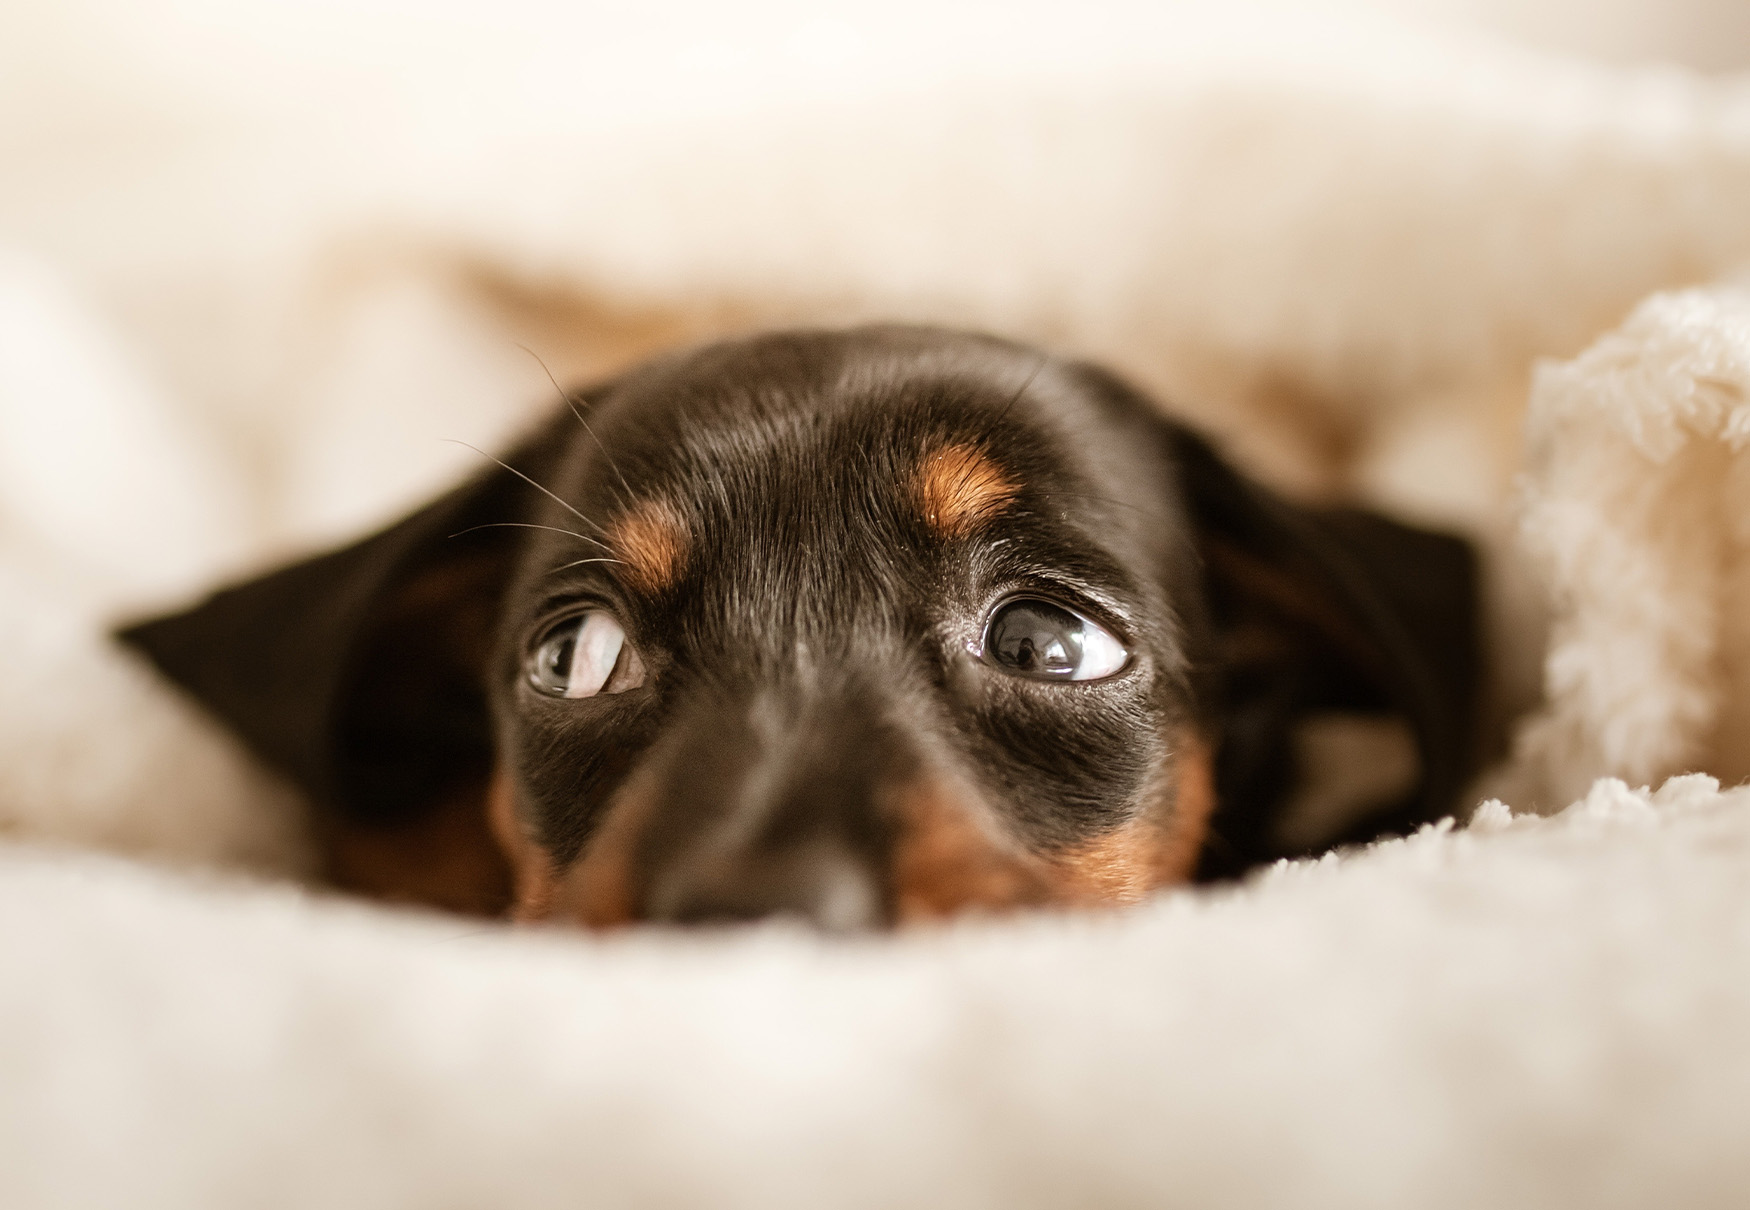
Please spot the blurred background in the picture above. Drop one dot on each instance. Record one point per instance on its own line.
(257, 260)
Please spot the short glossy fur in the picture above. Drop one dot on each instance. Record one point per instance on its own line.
(804, 536)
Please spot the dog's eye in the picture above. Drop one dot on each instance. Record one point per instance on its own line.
(583, 656)
(1038, 639)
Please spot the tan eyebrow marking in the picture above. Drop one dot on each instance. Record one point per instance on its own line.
(959, 488)
(651, 543)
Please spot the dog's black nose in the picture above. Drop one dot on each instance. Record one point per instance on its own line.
(818, 881)
(767, 810)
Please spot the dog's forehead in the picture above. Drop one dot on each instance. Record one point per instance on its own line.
(835, 442)
(857, 407)
(819, 484)
(777, 397)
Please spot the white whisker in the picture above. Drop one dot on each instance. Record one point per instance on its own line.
(580, 563)
(513, 470)
(572, 404)
(556, 529)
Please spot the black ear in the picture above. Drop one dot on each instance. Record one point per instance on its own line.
(1336, 655)
(360, 673)
(1324, 619)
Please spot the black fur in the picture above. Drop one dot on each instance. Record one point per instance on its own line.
(815, 648)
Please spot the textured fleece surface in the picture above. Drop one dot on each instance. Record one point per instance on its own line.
(1638, 509)
(256, 264)
(1532, 1012)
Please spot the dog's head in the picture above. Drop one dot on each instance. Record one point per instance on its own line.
(862, 626)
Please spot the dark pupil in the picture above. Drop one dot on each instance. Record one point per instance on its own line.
(1031, 636)
(558, 657)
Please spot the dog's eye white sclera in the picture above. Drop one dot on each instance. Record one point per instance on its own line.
(584, 656)
(1038, 639)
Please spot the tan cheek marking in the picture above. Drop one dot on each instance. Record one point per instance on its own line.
(651, 544)
(1158, 848)
(947, 859)
(960, 489)
(531, 869)
(1187, 825)
(1119, 867)
(445, 858)
(599, 891)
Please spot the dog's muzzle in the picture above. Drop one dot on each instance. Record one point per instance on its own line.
(753, 806)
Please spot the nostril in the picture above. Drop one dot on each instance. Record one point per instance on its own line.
(820, 884)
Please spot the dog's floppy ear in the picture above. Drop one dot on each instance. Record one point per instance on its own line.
(1328, 622)
(359, 673)
(1339, 660)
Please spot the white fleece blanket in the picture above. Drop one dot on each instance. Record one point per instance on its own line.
(1528, 1013)
(254, 267)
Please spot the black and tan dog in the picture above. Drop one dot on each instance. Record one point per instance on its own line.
(866, 627)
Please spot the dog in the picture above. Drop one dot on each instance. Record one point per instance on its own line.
(864, 627)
